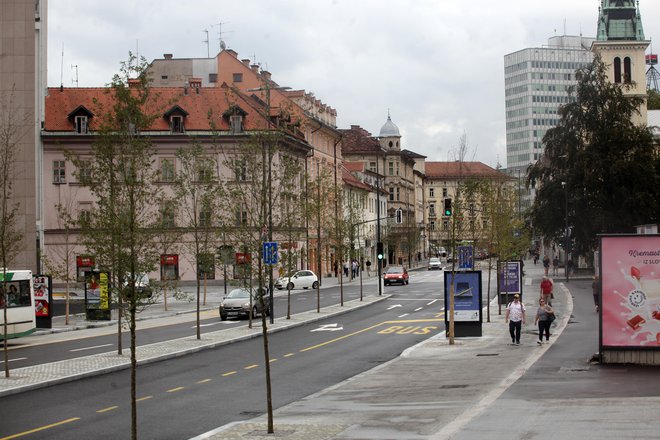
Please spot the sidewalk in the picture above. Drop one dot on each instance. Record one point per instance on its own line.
(449, 386)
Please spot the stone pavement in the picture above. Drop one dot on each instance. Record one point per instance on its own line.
(450, 385)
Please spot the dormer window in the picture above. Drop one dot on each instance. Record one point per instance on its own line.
(236, 124)
(176, 124)
(80, 119)
(81, 124)
(176, 118)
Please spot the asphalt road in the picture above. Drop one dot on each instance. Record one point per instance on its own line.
(181, 397)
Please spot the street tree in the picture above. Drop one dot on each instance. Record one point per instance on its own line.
(198, 194)
(14, 126)
(120, 175)
(600, 172)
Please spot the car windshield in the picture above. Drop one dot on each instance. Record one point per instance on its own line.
(395, 270)
(435, 260)
(238, 293)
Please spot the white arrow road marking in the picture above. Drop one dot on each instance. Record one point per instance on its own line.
(394, 306)
(207, 325)
(428, 304)
(328, 328)
(91, 348)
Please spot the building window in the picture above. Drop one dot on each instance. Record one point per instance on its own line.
(391, 168)
(84, 213)
(213, 77)
(241, 217)
(59, 171)
(205, 170)
(391, 194)
(236, 124)
(237, 77)
(431, 192)
(432, 226)
(372, 167)
(81, 124)
(167, 216)
(205, 217)
(627, 72)
(167, 171)
(84, 172)
(444, 192)
(176, 124)
(398, 194)
(240, 170)
(445, 225)
(432, 209)
(617, 70)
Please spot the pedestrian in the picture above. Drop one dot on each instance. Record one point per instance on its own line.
(515, 316)
(545, 290)
(595, 288)
(569, 265)
(354, 266)
(368, 263)
(346, 269)
(544, 317)
(555, 266)
(546, 264)
(536, 257)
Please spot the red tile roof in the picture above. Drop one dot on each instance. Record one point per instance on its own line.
(456, 170)
(351, 180)
(358, 140)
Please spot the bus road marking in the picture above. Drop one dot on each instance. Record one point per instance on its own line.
(110, 408)
(32, 431)
(144, 398)
(249, 367)
(174, 390)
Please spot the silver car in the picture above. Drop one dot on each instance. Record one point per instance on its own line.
(237, 303)
(435, 264)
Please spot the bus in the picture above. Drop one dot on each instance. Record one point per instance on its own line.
(17, 294)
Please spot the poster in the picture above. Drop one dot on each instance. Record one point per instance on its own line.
(42, 296)
(467, 295)
(509, 277)
(630, 291)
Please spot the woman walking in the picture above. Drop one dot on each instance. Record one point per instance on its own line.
(544, 317)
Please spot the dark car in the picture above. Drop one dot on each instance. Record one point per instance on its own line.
(395, 274)
(237, 303)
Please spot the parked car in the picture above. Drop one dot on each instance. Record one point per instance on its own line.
(435, 263)
(395, 274)
(142, 287)
(237, 303)
(303, 279)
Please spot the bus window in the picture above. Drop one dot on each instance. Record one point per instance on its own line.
(18, 294)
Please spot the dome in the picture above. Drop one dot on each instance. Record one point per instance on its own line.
(389, 129)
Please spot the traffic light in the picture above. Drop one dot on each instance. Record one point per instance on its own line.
(447, 207)
(379, 250)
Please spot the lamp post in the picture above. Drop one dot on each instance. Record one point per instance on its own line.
(565, 186)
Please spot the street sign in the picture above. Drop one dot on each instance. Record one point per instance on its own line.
(465, 258)
(270, 252)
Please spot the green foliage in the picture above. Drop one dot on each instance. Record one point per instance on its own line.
(653, 100)
(599, 167)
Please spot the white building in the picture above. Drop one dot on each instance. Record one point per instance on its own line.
(536, 83)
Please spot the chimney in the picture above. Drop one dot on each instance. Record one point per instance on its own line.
(246, 62)
(266, 74)
(232, 53)
(195, 82)
(167, 56)
(255, 68)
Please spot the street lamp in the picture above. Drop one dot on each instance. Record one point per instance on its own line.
(565, 186)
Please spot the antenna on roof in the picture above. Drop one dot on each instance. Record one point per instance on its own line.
(223, 46)
(208, 53)
(62, 69)
(75, 66)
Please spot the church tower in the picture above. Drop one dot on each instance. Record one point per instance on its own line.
(621, 44)
(390, 137)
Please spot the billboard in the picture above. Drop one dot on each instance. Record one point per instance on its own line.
(630, 291)
(467, 295)
(509, 277)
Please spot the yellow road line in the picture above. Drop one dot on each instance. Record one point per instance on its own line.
(249, 367)
(229, 374)
(174, 390)
(272, 360)
(144, 398)
(407, 321)
(110, 408)
(204, 381)
(32, 431)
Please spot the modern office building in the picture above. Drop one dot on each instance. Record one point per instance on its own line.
(536, 84)
(22, 89)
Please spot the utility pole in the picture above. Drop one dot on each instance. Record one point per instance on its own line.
(379, 262)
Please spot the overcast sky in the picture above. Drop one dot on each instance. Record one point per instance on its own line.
(437, 65)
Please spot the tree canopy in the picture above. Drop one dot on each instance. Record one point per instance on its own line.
(601, 171)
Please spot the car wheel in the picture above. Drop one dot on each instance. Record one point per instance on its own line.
(289, 286)
(315, 285)
(223, 317)
(306, 287)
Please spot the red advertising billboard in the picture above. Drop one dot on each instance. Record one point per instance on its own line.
(630, 291)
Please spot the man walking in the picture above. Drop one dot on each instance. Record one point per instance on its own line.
(546, 290)
(515, 316)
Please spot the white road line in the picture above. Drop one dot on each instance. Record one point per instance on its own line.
(13, 360)
(418, 309)
(428, 304)
(403, 316)
(91, 348)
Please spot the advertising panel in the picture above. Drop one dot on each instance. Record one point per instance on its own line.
(630, 291)
(509, 280)
(465, 258)
(42, 296)
(467, 295)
